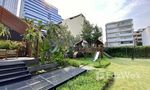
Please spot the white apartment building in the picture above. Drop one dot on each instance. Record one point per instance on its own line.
(119, 33)
(138, 37)
(146, 36)
(74, 24)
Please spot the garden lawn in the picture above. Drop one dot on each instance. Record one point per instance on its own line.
(130, 75)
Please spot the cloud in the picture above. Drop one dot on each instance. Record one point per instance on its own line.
(97, 12)
(140, 14)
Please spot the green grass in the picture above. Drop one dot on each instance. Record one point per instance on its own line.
(130, 75)
(88, 81)
(92, 80)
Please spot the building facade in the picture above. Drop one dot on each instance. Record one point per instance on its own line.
(14, 6)
(119, 33)
(33, 9)
(40, 10)
(138, 37)
(74, 24)
(146, 36)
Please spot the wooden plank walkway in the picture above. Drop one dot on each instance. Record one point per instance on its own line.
(46, 81)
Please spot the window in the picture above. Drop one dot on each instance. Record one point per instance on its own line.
(126, 42)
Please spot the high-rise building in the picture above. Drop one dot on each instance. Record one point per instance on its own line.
(32, 9)
(41, 10)
(1, 2)
(119, 33)
(14, 6)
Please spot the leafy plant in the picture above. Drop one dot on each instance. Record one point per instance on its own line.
(55, 43)
(92, 80)
(87, 32)
(33, 35)
(90, 33)
(96, 33)
(102, 64)
(4, 31)
(7, 44)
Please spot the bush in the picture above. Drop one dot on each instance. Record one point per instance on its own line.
(4, 45)
(68, 63)
(7, 44)
(102, 64)
(73, 63)
(92, 80)
(128, 52)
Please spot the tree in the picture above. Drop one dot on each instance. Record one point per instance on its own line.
(87, 32)
(56, 43)
(96, 33)
(90, 33)
(77, 38)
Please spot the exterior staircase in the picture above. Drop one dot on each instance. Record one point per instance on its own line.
(13, 71)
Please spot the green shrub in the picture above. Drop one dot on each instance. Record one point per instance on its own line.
(4, 45)
(68, 63)
(73, 63)
(7, 44)
(102, 64)
(92, 80)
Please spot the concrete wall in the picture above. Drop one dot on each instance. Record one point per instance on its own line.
(146, 37)
(74, 24)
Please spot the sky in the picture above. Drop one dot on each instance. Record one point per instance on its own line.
(101, 12)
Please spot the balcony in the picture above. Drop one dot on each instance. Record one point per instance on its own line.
(126, 34)
(128, 39)
(112, 26)
(113, 40)
(126, 24)
(113, 35)
(129, 44)
(128, 29)
(112, 31)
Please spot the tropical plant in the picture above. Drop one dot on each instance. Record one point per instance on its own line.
(8, 44)
(33, 35)
(56, 42)
(4, 31)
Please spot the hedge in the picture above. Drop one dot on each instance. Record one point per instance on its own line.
(128, 52)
